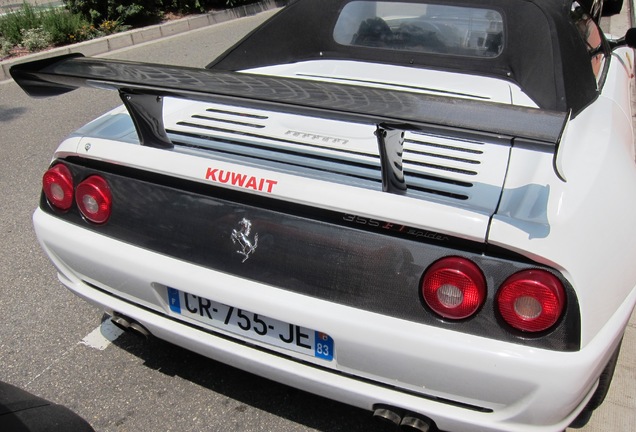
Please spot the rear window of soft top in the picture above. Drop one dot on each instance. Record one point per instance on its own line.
(421, 27)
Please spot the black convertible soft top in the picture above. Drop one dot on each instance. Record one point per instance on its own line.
(543, 51)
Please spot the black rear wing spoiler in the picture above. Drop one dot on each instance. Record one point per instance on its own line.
(142, 87)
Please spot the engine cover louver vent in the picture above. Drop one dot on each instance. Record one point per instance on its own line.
(463, 170)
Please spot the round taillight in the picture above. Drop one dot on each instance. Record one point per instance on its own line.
(94, 199)
(531, 300)
(57, 184)
(454, 287)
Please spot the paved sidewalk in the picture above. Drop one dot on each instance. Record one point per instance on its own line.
(138, 36)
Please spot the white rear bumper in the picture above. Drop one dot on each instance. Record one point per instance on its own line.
(462, 382)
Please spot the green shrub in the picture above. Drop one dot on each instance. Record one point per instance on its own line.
(235, 3)
(5, 47)
(139, 12)
(36, 39)
(66, 27)
(39, 28)
(194, 6)
(131, 12)
(184, 6)
(12, 23)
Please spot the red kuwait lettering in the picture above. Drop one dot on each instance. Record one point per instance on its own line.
(240, 180)
(224, 176)
(251, 183)
(211, 174)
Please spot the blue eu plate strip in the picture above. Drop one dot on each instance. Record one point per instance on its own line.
(173, 300)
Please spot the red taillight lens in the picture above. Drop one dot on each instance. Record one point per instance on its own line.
(454, 287)
(531, 300)
(57, 184)
(94, 199)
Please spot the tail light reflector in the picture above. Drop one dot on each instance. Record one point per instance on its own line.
(531, 300)
(94, 199)
(57, 184)
(454, 287)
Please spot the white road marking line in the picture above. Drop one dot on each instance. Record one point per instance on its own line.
(99, 339)
(56, 361)
(102, 336)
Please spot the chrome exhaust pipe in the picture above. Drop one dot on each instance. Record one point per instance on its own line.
(120, 321)
(139, 330)
(128, 324)
(387, 415)
(415, 423)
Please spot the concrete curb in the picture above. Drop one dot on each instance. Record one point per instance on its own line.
(142, 35)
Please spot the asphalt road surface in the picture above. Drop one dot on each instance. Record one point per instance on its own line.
(48, 342)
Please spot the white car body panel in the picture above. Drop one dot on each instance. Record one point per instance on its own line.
(514, 393)
(400, 210)
(402, 78)
(595, 164)
(535, 202)
(512, 201)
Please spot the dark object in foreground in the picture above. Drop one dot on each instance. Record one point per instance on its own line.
(20, 411)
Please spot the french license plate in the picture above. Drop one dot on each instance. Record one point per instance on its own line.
(251, 325)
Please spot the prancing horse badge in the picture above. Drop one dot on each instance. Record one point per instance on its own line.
(242, 237)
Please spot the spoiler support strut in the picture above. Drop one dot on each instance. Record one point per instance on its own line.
(391, 146)
(146, 112)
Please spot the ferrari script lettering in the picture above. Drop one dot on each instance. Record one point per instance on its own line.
(240, 180)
